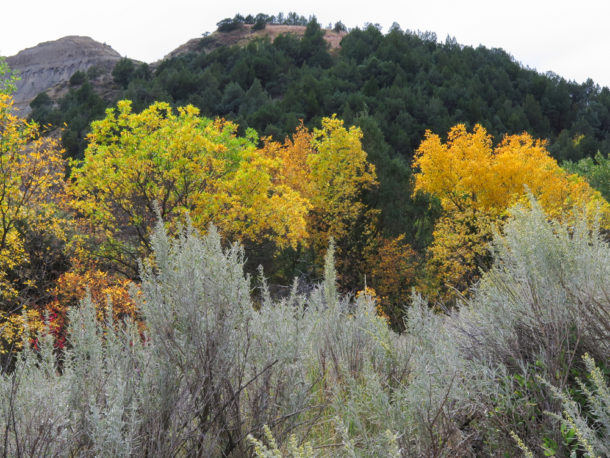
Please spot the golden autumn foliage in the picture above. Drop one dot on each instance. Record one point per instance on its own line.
(340, 173)
(392, 266)
(105, 288)
(459, 249)
(477, 183)
(31, 190)
(33, 223)
(294, 194)
(187, 165)
(69, 289)
(329, 168)
(467, 171)
(13, 326)
(178, 165)
(72, 286)
(293, 155)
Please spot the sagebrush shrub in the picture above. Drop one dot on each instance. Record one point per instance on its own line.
(319, 374)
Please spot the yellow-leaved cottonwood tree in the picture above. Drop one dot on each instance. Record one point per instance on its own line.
(32, 222)
(476, 183)
(31, 179)
(329, 167)
(187, 164)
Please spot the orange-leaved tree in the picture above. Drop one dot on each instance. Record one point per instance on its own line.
(108, 292)
(183, 164)
(392, 273)
(476, 183)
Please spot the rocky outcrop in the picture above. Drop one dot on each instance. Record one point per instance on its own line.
(49, 66)
(52, 63)
(245, 34)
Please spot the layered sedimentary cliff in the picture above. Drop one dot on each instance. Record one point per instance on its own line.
(52, 63)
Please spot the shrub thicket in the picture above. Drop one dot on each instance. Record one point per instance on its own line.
(323, 375)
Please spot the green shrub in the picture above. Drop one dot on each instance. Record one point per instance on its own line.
(587, 432)
(123, 72)
(78, 78)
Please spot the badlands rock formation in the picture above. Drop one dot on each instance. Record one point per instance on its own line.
(51, 63)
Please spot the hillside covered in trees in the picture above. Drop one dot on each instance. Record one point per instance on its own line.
(394, 87)
(406, 81)
(391, 247)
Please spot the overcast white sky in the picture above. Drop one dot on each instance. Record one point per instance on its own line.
(571, 39)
